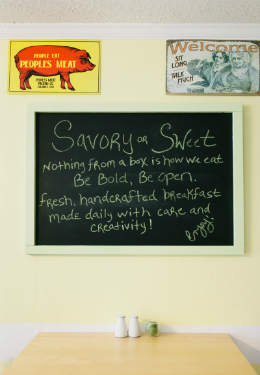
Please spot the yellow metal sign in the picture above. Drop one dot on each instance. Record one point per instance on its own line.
(54, 67)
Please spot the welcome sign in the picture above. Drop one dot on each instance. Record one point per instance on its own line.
(54, 67)
(212, 67)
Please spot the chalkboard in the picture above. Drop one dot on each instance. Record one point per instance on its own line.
(132, 179)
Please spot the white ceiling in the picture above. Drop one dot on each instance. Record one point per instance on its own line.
(130, 11)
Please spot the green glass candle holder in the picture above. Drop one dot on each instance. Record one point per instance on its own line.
(152, 328)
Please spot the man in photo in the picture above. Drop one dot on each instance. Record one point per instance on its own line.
(210, 72)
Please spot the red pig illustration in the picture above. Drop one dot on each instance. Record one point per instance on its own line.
(49, 61)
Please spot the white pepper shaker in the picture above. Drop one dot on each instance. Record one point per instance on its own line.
(134, 327)
(121, 327)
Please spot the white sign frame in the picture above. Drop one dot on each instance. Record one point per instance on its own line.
(236, 249)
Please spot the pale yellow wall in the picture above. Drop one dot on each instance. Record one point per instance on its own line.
(177, 290)
(4, 365)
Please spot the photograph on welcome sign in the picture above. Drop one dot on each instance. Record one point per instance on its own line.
(212, 67)
(54, 67)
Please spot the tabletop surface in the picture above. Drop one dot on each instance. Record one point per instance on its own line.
(104, 354)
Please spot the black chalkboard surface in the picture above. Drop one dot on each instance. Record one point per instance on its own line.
(134, 179)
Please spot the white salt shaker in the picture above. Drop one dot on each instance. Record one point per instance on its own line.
(121, 327)
(134, 328)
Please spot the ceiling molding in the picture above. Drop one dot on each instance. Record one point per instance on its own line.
(90, 31)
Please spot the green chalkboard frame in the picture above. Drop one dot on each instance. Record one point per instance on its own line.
(237, 249)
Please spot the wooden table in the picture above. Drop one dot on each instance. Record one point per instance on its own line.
(104, 354)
